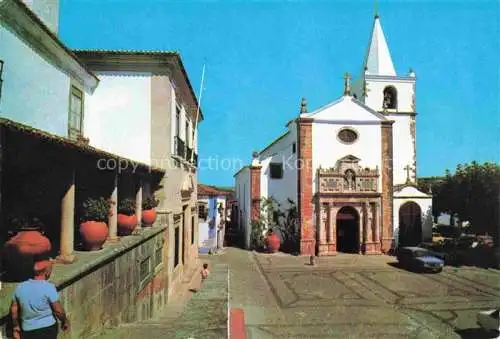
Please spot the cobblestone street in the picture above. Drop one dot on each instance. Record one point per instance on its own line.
(352, 296)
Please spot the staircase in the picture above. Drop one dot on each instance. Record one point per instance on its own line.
(205, 315)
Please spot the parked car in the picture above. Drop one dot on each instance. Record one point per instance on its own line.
(421, 259)
(489, 320)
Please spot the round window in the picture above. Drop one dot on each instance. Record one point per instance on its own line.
(347, 135)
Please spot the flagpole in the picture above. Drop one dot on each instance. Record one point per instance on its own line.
(198, 112)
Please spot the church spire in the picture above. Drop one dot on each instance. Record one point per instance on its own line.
(378, 59)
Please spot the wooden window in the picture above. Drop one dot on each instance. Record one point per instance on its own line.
(75, 113)
(159, 256)
(276, 170)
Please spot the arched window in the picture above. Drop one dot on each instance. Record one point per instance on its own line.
(390, 98)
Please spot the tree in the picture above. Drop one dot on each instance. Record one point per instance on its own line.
(473, 193)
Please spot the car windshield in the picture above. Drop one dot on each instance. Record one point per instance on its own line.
(418, 254)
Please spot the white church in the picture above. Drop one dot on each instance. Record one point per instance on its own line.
(349, 166)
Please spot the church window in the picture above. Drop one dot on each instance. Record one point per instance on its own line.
(390, 98)
(347, 135)
(276, 170)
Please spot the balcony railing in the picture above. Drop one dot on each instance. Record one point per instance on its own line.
(180, 148)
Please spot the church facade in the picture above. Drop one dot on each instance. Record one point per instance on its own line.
(350, 166)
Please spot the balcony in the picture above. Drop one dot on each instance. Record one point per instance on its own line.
(180, 147)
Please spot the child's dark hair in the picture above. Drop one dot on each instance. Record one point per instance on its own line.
(205, 265)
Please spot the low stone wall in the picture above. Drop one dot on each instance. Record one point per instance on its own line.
(125, 282)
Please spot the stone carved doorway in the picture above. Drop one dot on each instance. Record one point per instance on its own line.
(347, 221)
(410, 224)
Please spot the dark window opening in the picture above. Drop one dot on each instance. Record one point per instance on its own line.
(390, 98)
(294, 148)
(158, 256)
(176, 247)
(177, 121)
(192, 230)
(202, 211)
(276, 170)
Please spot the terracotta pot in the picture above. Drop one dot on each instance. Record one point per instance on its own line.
(273, 243)
(148, 217)
(20, 252)
(29, 241)
(126, 224)
(94, 234)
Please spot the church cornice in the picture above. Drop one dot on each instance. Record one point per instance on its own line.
(390, 78)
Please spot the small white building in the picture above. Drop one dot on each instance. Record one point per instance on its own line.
(349, 165)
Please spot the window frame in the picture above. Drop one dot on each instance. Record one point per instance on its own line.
(76, 92)
(274, 164)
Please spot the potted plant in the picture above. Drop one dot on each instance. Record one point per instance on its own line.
(127, 220)
(148, 211)
(27, 243)
(93, 227)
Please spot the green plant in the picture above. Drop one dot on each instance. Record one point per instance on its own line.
(257, 234)
(96, 209)
(127, 207)
(150, 203)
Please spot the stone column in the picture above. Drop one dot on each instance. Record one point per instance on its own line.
(67, 255)
(138, 203)
(113, 217)
(387, 186)
(304, 186)
(369, 222)
(333, 224)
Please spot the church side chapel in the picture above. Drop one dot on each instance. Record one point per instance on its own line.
(350, 166)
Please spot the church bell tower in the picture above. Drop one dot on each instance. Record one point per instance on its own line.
(393, 95)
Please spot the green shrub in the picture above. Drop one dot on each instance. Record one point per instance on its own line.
(150, 203)
(127, 207)
(95, 209)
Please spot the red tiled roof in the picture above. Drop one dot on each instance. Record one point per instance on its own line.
(209, 190)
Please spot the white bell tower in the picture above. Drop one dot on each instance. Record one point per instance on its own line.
(393, 95)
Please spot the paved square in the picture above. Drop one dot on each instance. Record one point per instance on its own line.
(353, 296)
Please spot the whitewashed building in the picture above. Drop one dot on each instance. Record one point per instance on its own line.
(349, 165)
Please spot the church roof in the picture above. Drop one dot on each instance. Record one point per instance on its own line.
(346, 109)
(378, 59)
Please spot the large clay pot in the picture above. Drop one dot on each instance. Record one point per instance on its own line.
(148, 217)
(94, 234)
(30, 241)
(20, 252)
(126, 224)
(273, 242)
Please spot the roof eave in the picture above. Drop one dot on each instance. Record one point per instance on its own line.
(16, 14)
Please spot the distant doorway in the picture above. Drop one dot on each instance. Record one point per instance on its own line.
(348, 230)
(410, 224)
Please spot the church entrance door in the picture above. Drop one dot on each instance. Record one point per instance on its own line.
(348, 230)
(410, 224)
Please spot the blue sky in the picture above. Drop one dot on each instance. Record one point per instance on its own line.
(262, 57)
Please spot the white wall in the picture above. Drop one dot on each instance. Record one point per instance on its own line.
(403, 148)
(280, 152)
(327, 149)
(426, 208)
(404, 88)
(34, 92)
(244, 202)
(118, 115)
